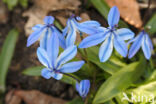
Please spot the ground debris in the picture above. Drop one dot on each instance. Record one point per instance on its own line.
(129, 11)
(41, 8)
(31, 97)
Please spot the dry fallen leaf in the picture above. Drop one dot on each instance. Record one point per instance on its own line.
(11, 98)
(31, 97)
(42, 7)
(129, 11)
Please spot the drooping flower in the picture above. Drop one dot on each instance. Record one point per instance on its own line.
(56, 65)
(83, 88)
(43, 32)
(142, 40)
(73, 26)
(110, 37)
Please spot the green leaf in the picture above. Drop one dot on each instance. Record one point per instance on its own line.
(11, 3)
(6, 56)
(76, 101)
(24, 3)
(58, 25)
(151, 25)
(33, 71)
(119, 81)
(36, 71)
(147, 90)
(103, 9)
(69, 80)
(108, 66)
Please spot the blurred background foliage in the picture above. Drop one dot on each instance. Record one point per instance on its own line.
(109, 79)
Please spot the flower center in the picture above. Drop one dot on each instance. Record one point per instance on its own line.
(50, 25)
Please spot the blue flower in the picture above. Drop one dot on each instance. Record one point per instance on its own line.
(88, 27)
(57, 65)
(43, 32)
(142, 40)
(83, 88)
(109, 36)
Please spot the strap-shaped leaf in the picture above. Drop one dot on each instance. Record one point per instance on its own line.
(151, 25)
(119, 81)
(6, 56)
(33, 71)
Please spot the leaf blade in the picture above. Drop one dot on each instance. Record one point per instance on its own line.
(6, 56)
(121, 80)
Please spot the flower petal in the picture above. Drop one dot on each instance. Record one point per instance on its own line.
(36, 27)
(149, 41)
(67, 55)
(91, 23)
(57, 76)
(106, 49)
(61, 38)
(46, 73)
(34, 36)
(146, 47)
(135, 46)
(120, 46)
(45, 37)
(113, 16)
(93, 40)
(48, 19)
(71, 36)
(53, 48)
(125, 33)
(43, 57)
(83, 88)
(88, 29)
(71, 67)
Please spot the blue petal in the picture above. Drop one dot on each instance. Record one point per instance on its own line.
(106, 49)
(61, 38)
(45, 37)
(56, 75)
(125, 33)
(135, 46)
(84, 87)
(67, 55)
(77, 87)
(91, 23)
(36, 27)
(46, 73)
(85, 28)
(146, 48)
(149, 41)
(71, 67)
(78, 18)
(71, 36)
(113, 16)
(34, 36)
(48, 20)
(53, 48)
(43, 57)
(65, 30)
(120, 46)
(93, 40)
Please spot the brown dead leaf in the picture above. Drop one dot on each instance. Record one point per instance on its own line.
(42, 7)
(36, 97)
(11, 98)
(129, 10)
(31, 97)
